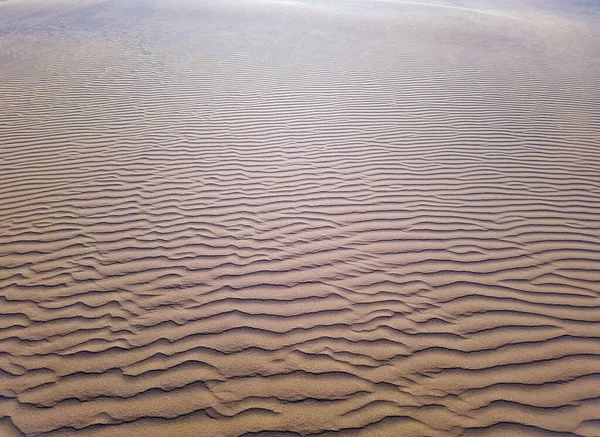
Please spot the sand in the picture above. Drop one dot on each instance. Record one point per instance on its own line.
(294, 218)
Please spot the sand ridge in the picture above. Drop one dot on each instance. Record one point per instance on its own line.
(255, 219)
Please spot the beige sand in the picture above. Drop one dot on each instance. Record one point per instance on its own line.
(269, 218)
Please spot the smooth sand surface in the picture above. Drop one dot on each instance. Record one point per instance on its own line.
(294, 218)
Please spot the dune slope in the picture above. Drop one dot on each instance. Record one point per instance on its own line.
(271, 218)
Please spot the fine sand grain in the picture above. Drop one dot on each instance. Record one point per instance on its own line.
(295, 218)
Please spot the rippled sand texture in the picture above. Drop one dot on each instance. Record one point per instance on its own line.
(269, 218)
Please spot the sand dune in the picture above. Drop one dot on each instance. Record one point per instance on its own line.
(272, 218)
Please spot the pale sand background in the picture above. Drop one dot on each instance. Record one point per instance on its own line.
(335, 218)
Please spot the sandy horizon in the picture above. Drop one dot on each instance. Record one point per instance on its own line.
(299, 218)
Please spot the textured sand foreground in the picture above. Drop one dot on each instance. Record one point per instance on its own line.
(276, 218)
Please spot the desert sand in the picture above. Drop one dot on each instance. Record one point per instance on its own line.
(297, 218)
